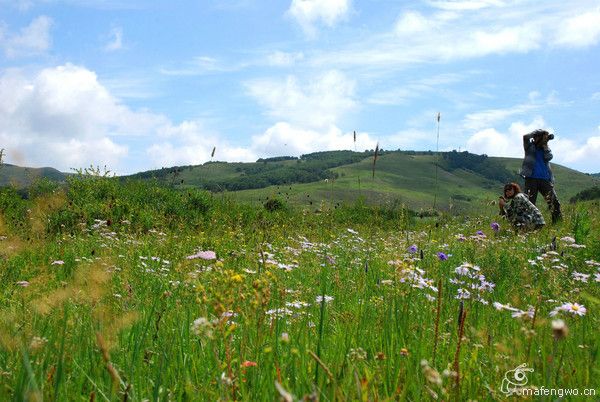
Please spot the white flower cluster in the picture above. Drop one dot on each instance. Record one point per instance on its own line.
(472, 283)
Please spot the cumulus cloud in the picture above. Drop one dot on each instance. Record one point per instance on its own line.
(30, 40)
(63, 117)
(320, 102)
(285, 139)
(310, 12)
(577, 154)
(580, 30)
(191, 143)
(306, 115)
(489, 141)
(66, 118)
(509, 144)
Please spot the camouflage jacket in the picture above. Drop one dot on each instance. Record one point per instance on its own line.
(522, 214)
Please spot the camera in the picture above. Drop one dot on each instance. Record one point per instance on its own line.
(539, 133)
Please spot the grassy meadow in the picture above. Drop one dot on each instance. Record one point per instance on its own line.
(126, 290)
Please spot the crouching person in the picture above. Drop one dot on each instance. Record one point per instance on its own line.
(518, 210)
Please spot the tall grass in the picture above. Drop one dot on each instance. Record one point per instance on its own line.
(104, 304)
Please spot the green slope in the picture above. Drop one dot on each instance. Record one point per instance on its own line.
(343, 176)
(24, 176)
(219, 176)
(410, 179)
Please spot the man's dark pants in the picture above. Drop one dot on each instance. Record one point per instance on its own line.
(532, 186)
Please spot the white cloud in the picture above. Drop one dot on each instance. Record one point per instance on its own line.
(22, 5)
(488, 118)
(308, 12)
(191, 143)
(579, 30)
(285, 139)
(575, 154)
(116, 40)
(31, 40)
(462, 5)
(284, 59)
(414, 89)
(201, 65)
(306, 114)
(412, 22)
(461, 30)
(409, 139)
(63, 117)
(491, 142)
(510, 39)
(318, 103)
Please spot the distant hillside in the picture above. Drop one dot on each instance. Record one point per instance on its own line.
(465, 180)
(24, 176)
(409, 178)
(223, 176)
(592, 193)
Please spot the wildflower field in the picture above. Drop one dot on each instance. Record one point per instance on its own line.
(130, 291)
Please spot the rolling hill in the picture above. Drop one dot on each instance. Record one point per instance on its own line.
(465, 181)
(24, 176)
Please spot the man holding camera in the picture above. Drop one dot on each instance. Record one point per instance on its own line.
(536, 170)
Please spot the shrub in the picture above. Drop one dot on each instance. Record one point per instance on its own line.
(274, 204)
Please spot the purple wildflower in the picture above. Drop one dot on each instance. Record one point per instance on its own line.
(480, 233)
(413, 249)
(495, 226)
(442, 256)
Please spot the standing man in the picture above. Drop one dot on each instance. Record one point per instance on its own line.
(536, 170)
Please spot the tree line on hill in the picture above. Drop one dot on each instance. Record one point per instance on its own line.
(317, 166)
(311, 167)
(480, 164)
(592, 193)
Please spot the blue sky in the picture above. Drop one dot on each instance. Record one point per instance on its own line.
(137, 85)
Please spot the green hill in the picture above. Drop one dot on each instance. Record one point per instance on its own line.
(465, 181)
(24, 176)
(223, 176)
